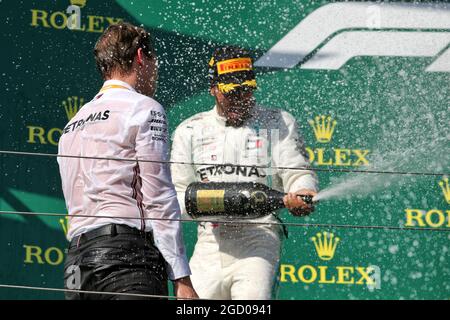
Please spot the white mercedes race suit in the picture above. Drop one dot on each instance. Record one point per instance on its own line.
(239, 261)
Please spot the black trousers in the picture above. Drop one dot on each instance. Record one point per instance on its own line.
(114, 258)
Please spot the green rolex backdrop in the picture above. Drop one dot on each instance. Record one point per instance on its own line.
(368, 83)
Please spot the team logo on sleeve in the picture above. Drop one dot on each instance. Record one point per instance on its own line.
(158, 126)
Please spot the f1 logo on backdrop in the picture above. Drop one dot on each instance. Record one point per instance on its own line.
(333, 34)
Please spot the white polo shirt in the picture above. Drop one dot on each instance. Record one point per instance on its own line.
(121, 123)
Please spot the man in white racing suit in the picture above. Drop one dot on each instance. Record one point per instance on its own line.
(230, 143)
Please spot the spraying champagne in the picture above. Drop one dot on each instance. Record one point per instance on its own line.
(233, 200)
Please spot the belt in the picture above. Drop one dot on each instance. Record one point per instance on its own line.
(109, 230)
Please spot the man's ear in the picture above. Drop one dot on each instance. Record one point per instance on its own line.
(140, 57)
(213, 91)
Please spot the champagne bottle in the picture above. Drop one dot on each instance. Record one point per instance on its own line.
(233, 200)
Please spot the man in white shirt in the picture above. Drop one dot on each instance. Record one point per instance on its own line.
(123, 230)
(230, 143)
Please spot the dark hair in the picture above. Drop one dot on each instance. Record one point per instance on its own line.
(117, 46)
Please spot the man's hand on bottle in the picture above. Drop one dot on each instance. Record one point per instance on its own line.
(183, 289)
(296, 205)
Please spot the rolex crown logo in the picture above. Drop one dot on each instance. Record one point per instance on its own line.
(64, 222)
(323, 127)
(325, 244)
(445, 189)
(80, 3)
(72, 105)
